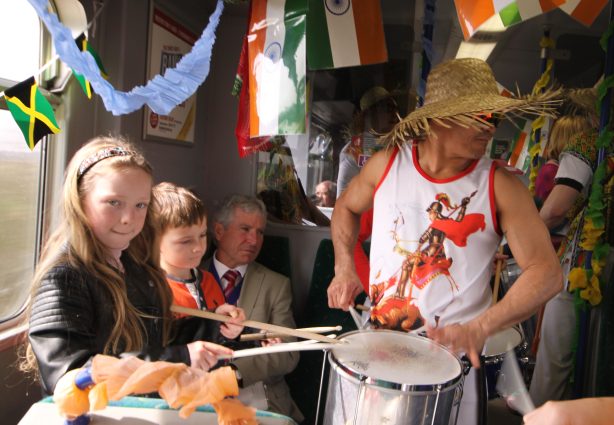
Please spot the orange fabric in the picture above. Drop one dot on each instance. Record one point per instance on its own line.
(255, 47)
(214, 297)
(588, 10)
(176, 383)
(472, 14)
(231, 411)
(369, 31)
(70, 399)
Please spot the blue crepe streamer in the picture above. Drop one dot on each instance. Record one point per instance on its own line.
(162, 93)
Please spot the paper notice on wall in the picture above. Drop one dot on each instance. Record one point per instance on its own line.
(169, 41)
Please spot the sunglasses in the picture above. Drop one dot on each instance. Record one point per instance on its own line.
(491, 118)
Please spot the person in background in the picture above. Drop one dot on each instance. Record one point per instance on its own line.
(326, 193)
(263, 294)
(440, 209)
(98, 288)
(377, 115)
(564, 208)
(181, 221)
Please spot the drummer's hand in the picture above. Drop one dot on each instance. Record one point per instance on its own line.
(234, 328)
(468, 338)
(203, 355)
(500, 257)
(343, 289)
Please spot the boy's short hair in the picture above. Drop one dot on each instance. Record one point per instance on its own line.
(175, 206)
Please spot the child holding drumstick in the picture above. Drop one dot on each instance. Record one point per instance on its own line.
(98, 288)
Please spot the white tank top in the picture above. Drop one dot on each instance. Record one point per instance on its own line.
(431, 258)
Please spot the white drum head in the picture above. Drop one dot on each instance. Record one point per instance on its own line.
(397, 357)
(502, 342)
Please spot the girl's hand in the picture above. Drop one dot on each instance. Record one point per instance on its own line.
(203, 355)
(234, 328)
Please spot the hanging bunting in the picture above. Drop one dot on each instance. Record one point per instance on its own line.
(32, 112)
(584, 11)
(519, 157)
(516, 11)
(162, 93)
(277, 69)
(345, 33)
(84, 45)
(473, 13)
(246, 145)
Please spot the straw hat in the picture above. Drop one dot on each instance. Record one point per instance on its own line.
(372, 96)
(459, 90)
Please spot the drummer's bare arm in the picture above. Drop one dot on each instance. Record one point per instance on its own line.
(356, 199)
(586, 411)
(540, 280)
(557, 205)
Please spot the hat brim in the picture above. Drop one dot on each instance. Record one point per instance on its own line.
(465, 111)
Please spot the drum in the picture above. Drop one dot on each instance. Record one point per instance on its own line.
(494, 352)
(390, 377)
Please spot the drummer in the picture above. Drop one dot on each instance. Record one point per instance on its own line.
(440, 210)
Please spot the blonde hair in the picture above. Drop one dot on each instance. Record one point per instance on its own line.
(74, 243)
(175, 206)
(577, 116)
(564, 130)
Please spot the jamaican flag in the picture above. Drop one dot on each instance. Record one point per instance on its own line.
(31, 111)
(84, 46)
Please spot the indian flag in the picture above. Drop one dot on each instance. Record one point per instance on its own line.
(345, 33)
(277, 67)
(584, 11)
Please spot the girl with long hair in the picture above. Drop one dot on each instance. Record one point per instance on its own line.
(98, 288)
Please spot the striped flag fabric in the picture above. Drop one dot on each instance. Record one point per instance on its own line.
(84, 46)
(344, 33)
(277, 67)
(473, 13)
(584, 11)
(519, 158)
(31, 111)
(515, 11)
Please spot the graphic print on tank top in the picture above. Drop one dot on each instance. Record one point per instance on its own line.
(425, 262)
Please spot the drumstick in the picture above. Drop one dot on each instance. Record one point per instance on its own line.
(267, 335)
(362, 307)
(277, 348)
(254, 324)
(495, 291)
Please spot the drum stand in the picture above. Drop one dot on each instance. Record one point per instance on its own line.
(325, 354)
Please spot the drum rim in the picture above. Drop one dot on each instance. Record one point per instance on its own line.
(384, 384)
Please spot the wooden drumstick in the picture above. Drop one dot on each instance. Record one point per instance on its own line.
(495, 291)
(362, 307)
(267, 335)
(254, 324)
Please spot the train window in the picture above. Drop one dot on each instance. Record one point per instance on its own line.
(20, 172)
(301, 177)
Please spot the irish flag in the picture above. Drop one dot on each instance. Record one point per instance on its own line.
(277, 67)
(519, 157)
(473, 13)
(345, 33)
(584, 11)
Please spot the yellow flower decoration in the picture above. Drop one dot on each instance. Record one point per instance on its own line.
(592, 295)
(577, 279)
(590, 235)
(597, 265)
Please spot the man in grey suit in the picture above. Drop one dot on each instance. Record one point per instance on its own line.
(264, 295)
